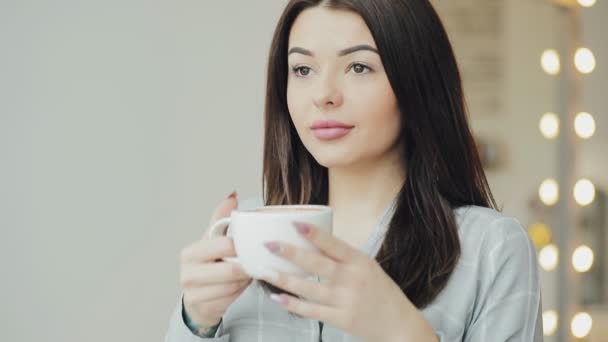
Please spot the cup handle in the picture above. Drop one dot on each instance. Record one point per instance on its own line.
(220, 228)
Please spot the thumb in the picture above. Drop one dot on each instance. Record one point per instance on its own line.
(225, 207)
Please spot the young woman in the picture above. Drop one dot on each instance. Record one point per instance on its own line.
(365, 113)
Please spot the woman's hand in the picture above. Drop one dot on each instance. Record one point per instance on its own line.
(356, 296)
(210, 286)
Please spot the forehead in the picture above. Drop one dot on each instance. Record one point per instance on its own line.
(321, 28)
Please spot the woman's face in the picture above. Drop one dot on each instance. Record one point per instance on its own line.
(338, 94)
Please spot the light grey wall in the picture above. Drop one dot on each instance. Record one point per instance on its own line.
(122, 123)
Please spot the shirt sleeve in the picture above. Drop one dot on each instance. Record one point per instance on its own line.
(508, 304)
(179, 332)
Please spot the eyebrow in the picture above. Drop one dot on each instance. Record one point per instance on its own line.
(347, 51)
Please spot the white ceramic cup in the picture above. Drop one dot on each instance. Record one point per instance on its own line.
(250, 229)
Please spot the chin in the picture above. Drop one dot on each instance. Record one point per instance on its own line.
(333, 160)
(334, 154)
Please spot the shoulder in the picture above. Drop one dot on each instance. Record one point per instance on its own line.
(498, 263)
(493, 242)
(489, 229)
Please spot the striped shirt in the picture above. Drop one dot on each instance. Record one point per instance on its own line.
(492, 295)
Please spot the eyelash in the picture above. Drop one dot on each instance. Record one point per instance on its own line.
(295, 70)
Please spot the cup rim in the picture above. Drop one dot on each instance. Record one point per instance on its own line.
(320, 209)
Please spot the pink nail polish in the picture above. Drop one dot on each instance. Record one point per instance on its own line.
(302, 228)
(281, 299)
(272, 246)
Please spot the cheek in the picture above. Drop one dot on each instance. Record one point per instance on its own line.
(381, 134)
(296, 107)
(381, 116)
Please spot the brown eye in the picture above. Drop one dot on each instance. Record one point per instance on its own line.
(360, 68)
(301, 71)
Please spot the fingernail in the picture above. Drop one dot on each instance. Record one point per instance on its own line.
(273, 246)
(281, 299)
(232, 195)
(302, 228)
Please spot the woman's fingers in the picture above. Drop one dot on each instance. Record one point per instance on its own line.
(216, 291)
(196, 275)
(312, 262)
(224, 208)
(215, 307)
(304, 288)
(208, 249)
(329, 245)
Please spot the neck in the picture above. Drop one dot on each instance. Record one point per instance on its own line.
(365, 189)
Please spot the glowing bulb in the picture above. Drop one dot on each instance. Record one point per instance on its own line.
(581, 324)
(584, 125)
(586, 3)
(584, 192)
(584, 60)
(582, 259)
(549, 322)
(549, 125)
(548, 192)
(548, 257)
(550, 62)
(540, 234)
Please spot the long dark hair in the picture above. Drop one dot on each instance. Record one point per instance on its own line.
(444, 172)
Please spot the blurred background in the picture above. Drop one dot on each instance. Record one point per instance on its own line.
(123, 123)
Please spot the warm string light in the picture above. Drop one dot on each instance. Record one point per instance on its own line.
(540, 234)
(548, 257)
(584, 60)
(549, 192)
(550, 62)
(549, 322)
(581, 324)
(584, 125)
(582, 259)
(586, 3)
(583, 192)
(549, 125)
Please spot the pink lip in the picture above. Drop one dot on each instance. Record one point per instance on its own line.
(329, 124)
(330, 129)
(331, 133)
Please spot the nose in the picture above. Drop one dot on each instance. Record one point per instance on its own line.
(328, 94)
